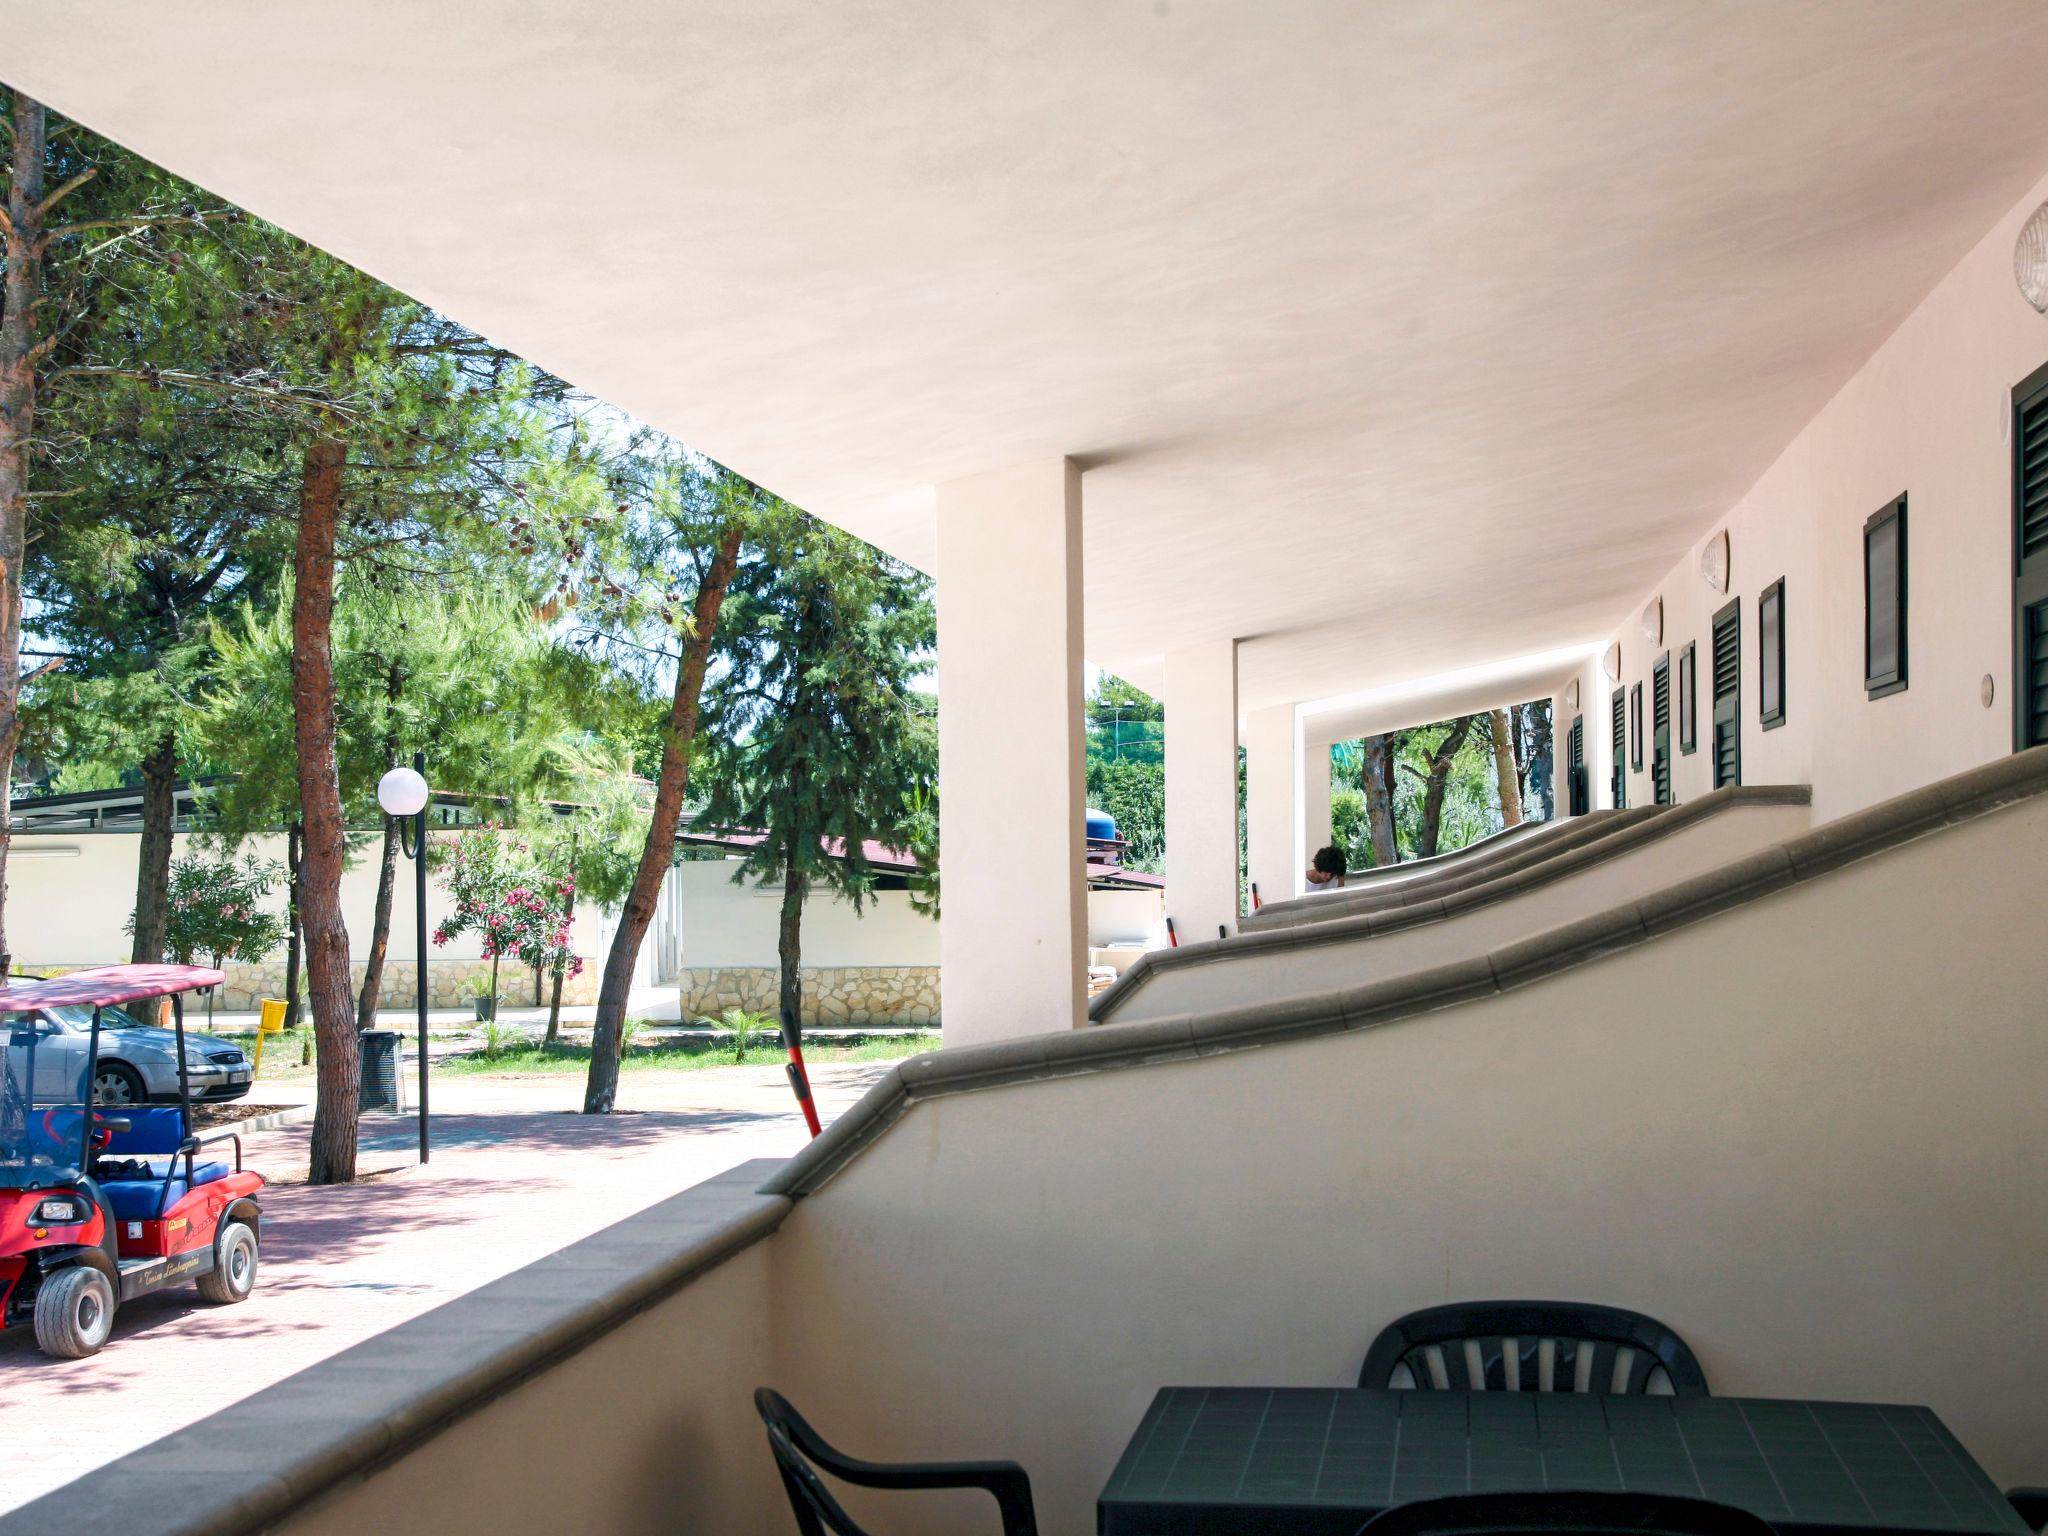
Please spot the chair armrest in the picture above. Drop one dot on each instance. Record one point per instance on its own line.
(1005, 1481)
(2031, 1505)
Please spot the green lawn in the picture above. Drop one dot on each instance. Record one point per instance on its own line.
(679, 1056)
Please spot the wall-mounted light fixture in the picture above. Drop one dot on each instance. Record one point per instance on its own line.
(1571, 694)
(2030, 259)
(1653, 621)
(1611, 662)
(1714, 561)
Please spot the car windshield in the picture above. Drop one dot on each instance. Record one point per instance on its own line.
(77, 1017)
(41, 1106)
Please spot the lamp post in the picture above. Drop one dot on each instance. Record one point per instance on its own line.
(403, 793)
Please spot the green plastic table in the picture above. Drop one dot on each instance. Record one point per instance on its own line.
(1215, 1461)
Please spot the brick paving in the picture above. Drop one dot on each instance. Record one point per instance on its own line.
(515, 1174)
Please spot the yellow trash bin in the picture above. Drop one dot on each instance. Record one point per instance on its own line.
(270, 1021)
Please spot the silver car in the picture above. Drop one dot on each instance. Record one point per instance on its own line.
(138, 1063)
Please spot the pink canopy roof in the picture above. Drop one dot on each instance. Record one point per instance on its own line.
(106, 984)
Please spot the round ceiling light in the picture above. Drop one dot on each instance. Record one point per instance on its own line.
(2030, 259)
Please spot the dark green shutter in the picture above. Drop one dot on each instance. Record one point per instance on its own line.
(2030, 562)
(1728, 694)
(1660, 730)
(1619, 780)
(1575, 767)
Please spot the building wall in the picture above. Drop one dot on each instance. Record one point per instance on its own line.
(1805, 1133)
(877, 966)
(70, 893)
(1928, 416)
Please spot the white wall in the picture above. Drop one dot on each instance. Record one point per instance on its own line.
(69, 893)
(1927, 416)
(736, 925)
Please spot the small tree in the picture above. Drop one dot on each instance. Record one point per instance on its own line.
(514, 904)
(216, 910)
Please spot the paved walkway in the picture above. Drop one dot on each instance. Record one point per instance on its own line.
(515, 1174)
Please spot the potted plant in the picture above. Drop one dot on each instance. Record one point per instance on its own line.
(484, 995)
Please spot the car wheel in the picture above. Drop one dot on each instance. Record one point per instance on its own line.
(74, 1312)
(234, 1265)
(115, 1082)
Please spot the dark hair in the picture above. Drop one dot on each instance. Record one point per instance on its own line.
(1331, 861)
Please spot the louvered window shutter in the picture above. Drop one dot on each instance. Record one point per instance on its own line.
(1728, 695)
(2030, 562)
(1660, 730)
(1619, 778)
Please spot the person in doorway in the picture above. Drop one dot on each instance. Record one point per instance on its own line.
(1328, 868)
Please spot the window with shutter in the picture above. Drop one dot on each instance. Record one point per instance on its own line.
(1688, 695)
(1728, 694)
(2030, 562)
(1635, 728)
(1660, 730)
(1618, 780)
(1884, 601)
(1770, 655)
(1575, 767)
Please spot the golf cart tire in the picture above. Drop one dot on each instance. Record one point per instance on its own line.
(233, 1275)
(74, 1312)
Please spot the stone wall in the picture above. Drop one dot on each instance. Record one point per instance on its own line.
(447, 983)
(834, 995)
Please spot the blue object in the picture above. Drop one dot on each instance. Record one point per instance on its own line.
(1101, 825)
(147, 1199)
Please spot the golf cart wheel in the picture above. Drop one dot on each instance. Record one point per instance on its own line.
(74, 1312)
(234, 1265)
(115, 1082)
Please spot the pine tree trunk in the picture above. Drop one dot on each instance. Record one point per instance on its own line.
(1376, 778)
(326, 846)
(562, 963)
(387, 883)
(19, 354)
(1436, 784)
(655, 858)
(789, 947)
(380, 930)
(293, 946)
(153, 856)
(1507, 778)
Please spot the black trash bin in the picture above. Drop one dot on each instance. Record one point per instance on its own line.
(382, 1083)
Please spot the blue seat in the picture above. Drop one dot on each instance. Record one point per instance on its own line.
(148, 1148)
(136, 1199)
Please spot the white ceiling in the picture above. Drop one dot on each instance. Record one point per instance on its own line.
(1397, 337)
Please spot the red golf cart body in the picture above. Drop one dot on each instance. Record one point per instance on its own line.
(130, 1197)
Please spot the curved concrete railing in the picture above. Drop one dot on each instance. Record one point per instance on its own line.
(1434, 879)
(967, 1068)
(1636, 861)
(1472, 853)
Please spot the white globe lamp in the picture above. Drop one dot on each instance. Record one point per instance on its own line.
(402, 792)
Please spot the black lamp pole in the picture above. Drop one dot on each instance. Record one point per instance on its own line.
(419, 919)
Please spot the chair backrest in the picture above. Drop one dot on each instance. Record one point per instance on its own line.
(1532, 1346)
(1553, 1512)
(152, 1130)
(817, 1512)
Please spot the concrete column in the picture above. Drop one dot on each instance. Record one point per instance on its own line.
(1013, 926)
(1272, 803)
(1201, 789)
(1315, 805)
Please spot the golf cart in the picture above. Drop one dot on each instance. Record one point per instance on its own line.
(103, 1203)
